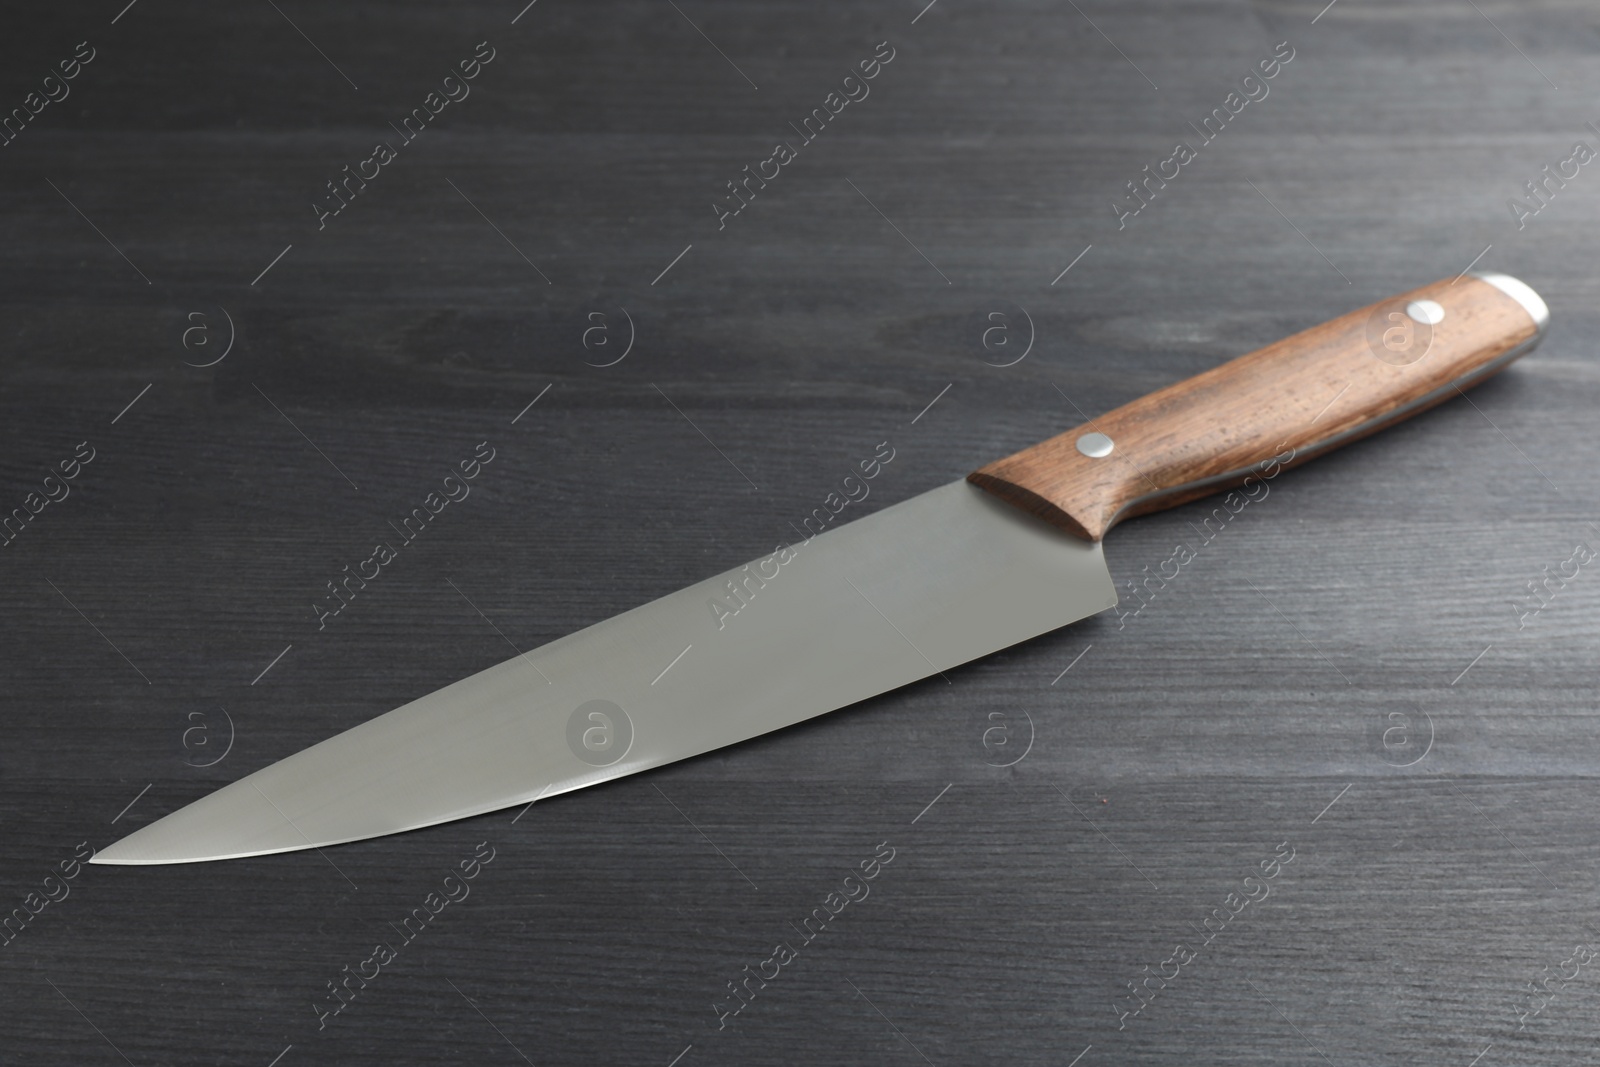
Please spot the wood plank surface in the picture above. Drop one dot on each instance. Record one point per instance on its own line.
(1353, 665)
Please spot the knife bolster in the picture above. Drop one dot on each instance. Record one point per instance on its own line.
(1276, 407)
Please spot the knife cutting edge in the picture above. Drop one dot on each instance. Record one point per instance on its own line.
(1009, 553)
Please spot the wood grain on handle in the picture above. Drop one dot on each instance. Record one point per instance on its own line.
(1277, 406)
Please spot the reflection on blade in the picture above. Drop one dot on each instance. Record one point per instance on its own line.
(867, 607)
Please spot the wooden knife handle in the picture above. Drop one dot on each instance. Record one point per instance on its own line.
(1276, 407)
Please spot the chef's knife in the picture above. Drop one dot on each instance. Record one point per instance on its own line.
(956, 573)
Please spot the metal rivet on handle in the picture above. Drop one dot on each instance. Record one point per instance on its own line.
(1425, 311)
(1095, 445)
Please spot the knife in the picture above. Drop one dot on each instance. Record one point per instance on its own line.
(1009, 553)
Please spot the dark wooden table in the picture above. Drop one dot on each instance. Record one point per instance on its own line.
(1343, 669)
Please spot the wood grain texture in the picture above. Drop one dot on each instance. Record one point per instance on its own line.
(1365, 614)
(1264, 412)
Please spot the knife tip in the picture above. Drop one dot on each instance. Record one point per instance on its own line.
(114, 856)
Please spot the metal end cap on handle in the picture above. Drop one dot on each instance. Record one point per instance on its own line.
(1521, 292)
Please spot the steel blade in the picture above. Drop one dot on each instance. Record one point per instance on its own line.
(869, 606)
